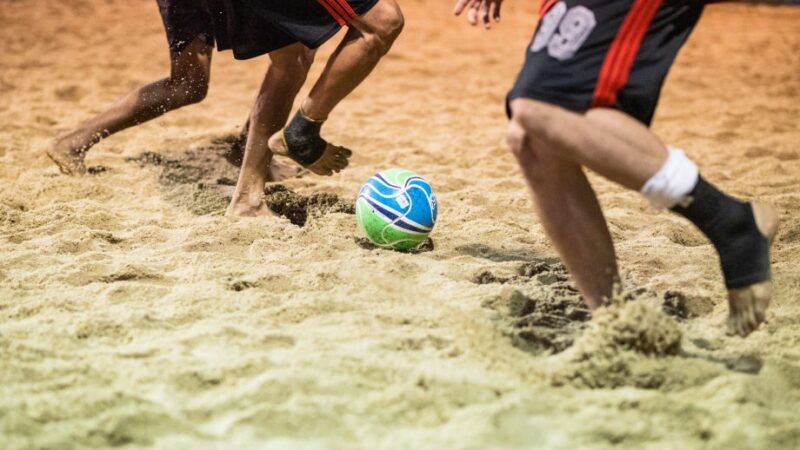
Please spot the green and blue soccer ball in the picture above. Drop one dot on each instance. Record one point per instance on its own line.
(396, 208)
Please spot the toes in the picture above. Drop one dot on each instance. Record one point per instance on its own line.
(752, 320)
(742, 321)
(748, 308)
(732, 331)
(343, 153)
(333, 160)
(735, 327)
(747, 327)
(743, 324)
(760, 316)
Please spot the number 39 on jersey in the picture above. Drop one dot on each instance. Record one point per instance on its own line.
(564, 30)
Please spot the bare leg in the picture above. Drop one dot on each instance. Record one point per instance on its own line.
(187, 84)
(622, 150)
(604, 140)
(570, 213)
(369, 37)
(278, 170)
(285, 76)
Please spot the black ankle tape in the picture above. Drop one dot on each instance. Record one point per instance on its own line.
(731, 227)
(303, 141)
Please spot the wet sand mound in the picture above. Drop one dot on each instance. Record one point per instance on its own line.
(201, 181)
(297, 208)
(541, 311)
(609, 351)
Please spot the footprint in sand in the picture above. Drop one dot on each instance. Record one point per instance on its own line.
(683, 306)
(757, 152)
(298, 208)
(545, 273)
(787, 156)
(547, 320)
(70, 93)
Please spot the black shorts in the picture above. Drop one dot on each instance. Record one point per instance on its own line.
(254, 27)
(184, 21)
(613, 53)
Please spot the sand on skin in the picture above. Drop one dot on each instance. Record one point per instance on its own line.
(132, 312)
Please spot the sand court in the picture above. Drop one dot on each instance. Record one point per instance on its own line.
(134, 314)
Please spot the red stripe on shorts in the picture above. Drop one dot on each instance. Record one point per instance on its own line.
(333, 12)
(621, 54)
(347, 9)
(337, 5)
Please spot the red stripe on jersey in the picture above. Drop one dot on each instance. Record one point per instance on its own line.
(347, 9)
(545, 5)
(333, 12)
(621, 54)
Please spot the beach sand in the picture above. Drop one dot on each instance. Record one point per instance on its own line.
(132, 313)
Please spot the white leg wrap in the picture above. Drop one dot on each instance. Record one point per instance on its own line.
(673, 182)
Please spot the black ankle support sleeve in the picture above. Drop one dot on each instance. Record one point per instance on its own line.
(303, 141)
(731, 227)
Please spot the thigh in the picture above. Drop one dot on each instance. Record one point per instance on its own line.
(193, 62)
(184, 22)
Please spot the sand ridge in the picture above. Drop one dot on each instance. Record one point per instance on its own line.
(133, 313)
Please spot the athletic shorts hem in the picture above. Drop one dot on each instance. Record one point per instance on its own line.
(317, 43)
(184, 22)
(313, 42)
(572, 104)
(748, 280)
(360, 10)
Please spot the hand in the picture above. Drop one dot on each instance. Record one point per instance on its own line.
(479, 10)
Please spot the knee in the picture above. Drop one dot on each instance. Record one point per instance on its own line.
(188, 89)
(388, 26)
(302, 65)
(189, 78)
(305, 59)
(523, 137)
(295, 69)
(298, 63)
(393, 25)
(195, 92)
(537, 119)
(533, 155)
(291, 67)
(516, 137)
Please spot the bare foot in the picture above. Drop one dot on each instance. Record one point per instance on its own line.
(748, 305)
(68, 159)
(245, 209)
(283, 169)
(247, 205)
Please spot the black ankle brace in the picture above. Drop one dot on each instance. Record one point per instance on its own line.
(302, 139)
(731, 227)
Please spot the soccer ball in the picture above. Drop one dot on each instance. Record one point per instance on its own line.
(396, 208)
